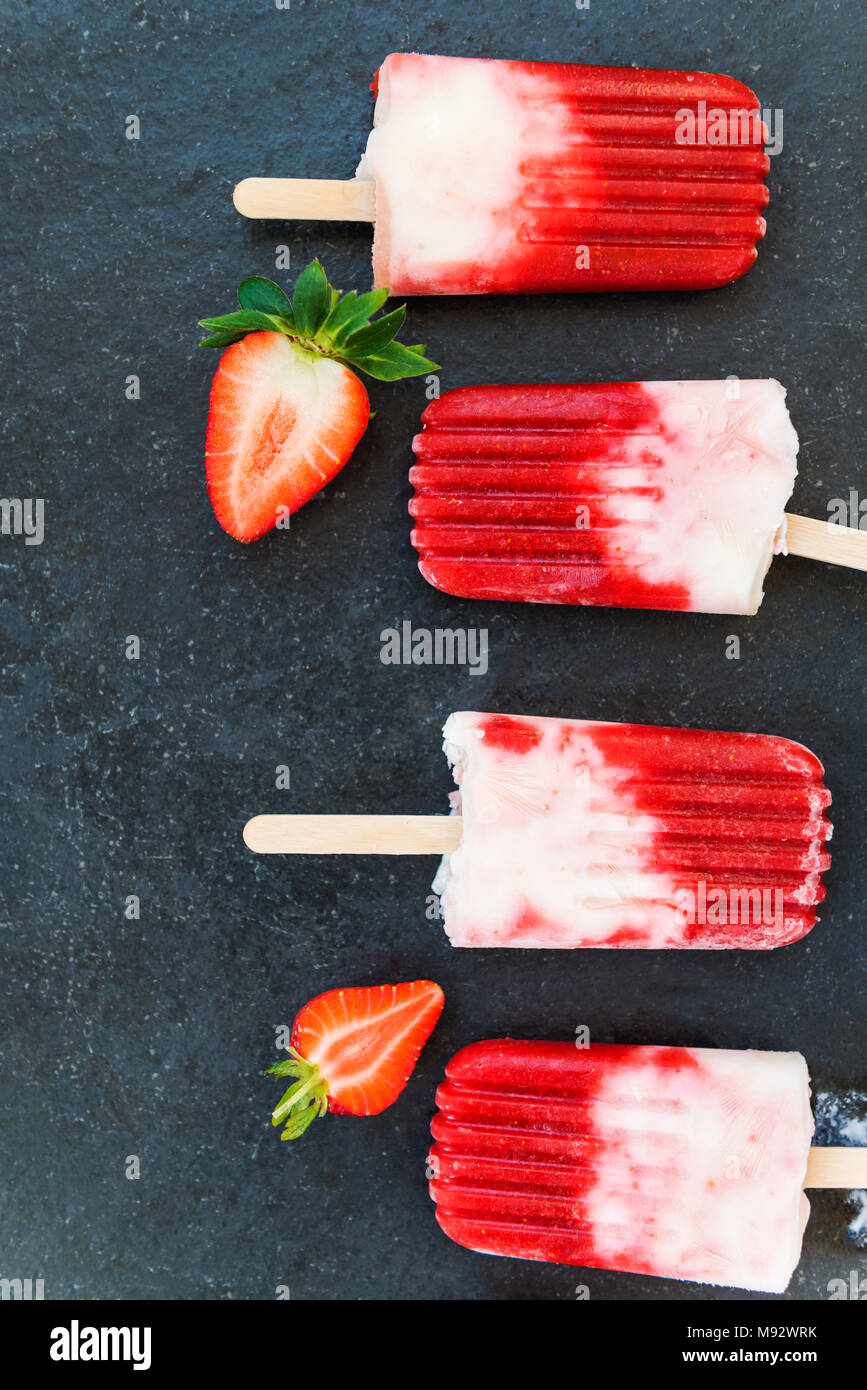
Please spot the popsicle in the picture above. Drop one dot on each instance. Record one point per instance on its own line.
(651, 494)
(686, 1163)
(574, 833)
(490, 176)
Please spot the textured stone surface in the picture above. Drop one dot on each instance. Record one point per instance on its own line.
(134, 777)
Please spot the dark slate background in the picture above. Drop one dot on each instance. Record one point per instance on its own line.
(149, 1037)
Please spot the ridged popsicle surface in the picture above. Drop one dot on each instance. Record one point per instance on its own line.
(578, 833)
(665, 495)
(687, 1163)
(500, 176)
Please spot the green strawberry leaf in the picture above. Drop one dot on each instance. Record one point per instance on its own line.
(305, 1100)
(351, 313)
(258, 293)
(394, 362)
(222, 340)
(319, 319)
(377, 334)
(247, 321)
(311, 301)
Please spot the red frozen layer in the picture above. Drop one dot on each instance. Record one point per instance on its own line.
(653, 214)
(516, 1150)
(501, 473)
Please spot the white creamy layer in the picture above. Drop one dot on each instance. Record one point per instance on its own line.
(547, 835)
(704, 1168)
(726, 470)
(449, 138)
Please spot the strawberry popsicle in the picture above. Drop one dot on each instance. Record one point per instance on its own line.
(687, 1163)
(581, 833)
(656, 494)
(498, 176)
(488, 176)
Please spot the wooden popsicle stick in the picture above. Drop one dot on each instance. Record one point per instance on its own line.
(837, 1167)
(353, 834)
(319, 200)
(823, 540)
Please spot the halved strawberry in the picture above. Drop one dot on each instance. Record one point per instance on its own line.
(282, 422)
(352, 1051)
(286, 411)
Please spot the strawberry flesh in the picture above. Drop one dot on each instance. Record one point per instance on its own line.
(366, 1041)
(282, 422)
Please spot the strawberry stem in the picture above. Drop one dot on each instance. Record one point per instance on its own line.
(305, 1100)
